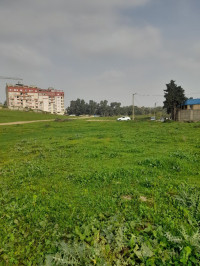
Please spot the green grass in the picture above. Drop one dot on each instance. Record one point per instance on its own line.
(7, 115)
(104, 193)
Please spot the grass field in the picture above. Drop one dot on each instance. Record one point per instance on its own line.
(100, 193)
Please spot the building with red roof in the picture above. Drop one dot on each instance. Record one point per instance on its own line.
(22, 97)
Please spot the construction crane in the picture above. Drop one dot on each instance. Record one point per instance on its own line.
(13, 78)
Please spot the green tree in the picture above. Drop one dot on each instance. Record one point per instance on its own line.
(103, 108)
(77, 107)
(174, 97)
(92, 107)
(115, 108)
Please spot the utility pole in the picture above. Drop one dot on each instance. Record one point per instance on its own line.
(133, 116)
(155, 111)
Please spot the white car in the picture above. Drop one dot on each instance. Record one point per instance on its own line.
(123, 118)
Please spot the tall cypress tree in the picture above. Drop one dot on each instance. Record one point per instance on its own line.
(174, 97)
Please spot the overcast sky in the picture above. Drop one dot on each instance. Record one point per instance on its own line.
(102, 49)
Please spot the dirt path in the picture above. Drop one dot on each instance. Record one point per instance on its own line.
(34, 121)
(24, 122)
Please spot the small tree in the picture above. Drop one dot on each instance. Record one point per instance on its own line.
(174, 96)
(5, 104)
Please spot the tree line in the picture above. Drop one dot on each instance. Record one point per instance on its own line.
(174, 98)
(103, 108)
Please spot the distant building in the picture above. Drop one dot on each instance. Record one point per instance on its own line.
(190, 110)
(21, 97)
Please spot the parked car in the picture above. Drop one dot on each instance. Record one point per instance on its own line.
(123, 118)
(153, 118)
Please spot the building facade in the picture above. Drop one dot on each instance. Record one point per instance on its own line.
(190, 110)
(21, 97)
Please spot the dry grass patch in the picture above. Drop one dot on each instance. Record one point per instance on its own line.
(145, 199)
(127, 197)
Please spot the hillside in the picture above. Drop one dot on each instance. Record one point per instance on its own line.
(7, 115)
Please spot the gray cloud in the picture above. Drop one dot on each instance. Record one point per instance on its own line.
(100, 49)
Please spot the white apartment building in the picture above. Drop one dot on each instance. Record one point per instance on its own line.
(21, 97)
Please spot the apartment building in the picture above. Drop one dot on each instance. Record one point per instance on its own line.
(21, 97)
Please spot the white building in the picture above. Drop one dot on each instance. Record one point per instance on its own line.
(21, 97)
